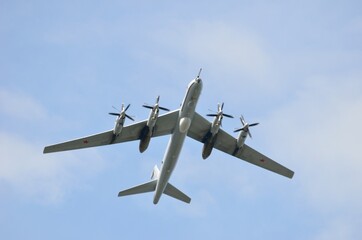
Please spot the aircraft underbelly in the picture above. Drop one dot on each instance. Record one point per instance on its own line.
(177, 139)
(169, 162)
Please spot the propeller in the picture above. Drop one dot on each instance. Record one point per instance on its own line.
(123, 110)
(245, 126)
(156, 104)
(219, 112)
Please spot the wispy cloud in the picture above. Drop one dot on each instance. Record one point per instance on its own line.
(43, 178)
(20, 106)
(222, 48)
(24, 169)
(339, 229)
(319, 133)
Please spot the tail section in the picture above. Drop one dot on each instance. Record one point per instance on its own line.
(170, 190)
(143, 188)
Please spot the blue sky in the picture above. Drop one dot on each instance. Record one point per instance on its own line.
(293, 66)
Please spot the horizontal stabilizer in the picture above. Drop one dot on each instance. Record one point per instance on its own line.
(143, 188)
(175, 193)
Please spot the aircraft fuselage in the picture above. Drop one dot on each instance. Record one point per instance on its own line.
(177, 139)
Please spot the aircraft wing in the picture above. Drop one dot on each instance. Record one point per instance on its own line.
(226, 143)
(164, 125)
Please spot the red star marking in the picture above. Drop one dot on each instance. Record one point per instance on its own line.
(262, 160)
(85, 141)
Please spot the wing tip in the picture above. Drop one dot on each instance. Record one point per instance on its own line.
(46, 150)
(290, 175)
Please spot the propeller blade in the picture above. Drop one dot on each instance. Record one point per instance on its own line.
(245, 126)
(129, 117)
(242, 120)
(127, 107)
(116, 108)
(238, 130)
(147, 106)
(219, 113)
(227, 115)
(164, 109)
(249, 134)
(114, 114)
(158, 99)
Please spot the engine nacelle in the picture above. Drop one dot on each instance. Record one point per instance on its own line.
(244, 132)
(152, 119)
(145, 138)
(209, 142)
(241, 139)
(117, 130)
(118, 126)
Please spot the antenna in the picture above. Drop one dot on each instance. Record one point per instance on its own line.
(198, 75)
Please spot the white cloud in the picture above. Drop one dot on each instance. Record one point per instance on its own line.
(200, 207)
(319, 133)
(24, 170)
(338, 230)
(87, 33)
(216, 45)
(20, 106)
(44, 178)
(228, 49)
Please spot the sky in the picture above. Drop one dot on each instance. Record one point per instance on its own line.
(293, 66)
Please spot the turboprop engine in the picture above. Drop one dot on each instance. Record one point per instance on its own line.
(211, 136)
(118, 125)
(244, 133)
(147, 131)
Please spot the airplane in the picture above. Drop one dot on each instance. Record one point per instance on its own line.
(180, 123)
